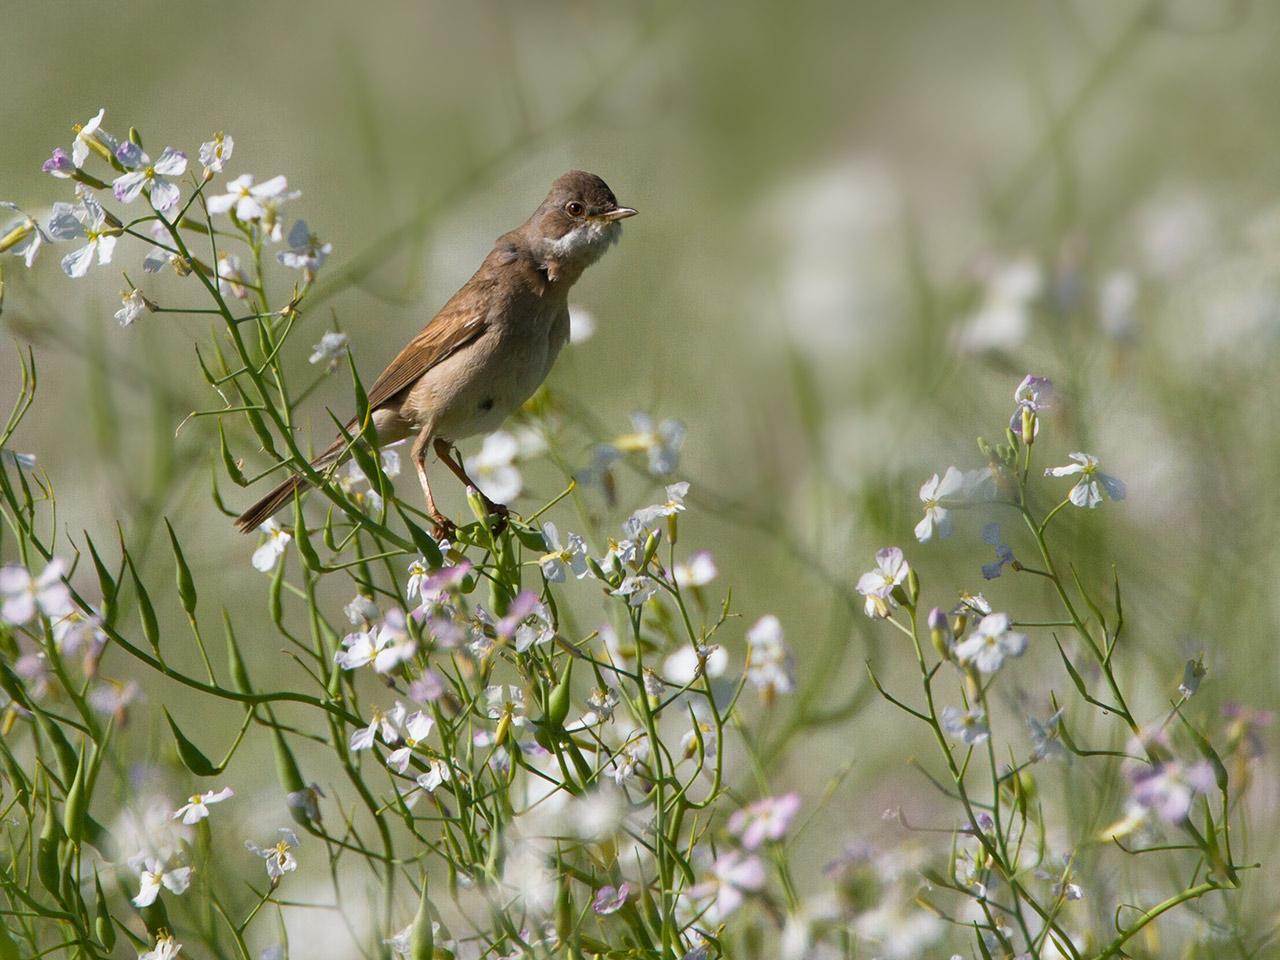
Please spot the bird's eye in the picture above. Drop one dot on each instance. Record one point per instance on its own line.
(574, 208)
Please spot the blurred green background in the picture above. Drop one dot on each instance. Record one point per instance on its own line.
(861, 224)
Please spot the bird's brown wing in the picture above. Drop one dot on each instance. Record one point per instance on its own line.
(461, 321)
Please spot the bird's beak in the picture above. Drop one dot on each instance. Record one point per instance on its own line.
(618, 213)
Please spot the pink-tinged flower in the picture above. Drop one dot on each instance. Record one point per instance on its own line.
(990, 642)
(1089, 488)
(1169, 788)
(246, 198)
(89, 222)
(21, 237)
(1030, 398)
(59, 165)
(527, 623)
(877, 585)
(765, 820)
(1244, 731)
(154, 875)
(734, 875)
(153, 177)
(416, 729)
(215, 153)
(22, 595)
(197, 806)
(306, 250)
(610, 899)
(935, 494)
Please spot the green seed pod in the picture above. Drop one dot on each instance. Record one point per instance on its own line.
(103, 928)
(186, 585)
(77, 802)
(261, 432)
(66, 755)
(275, 603)
(290, 778)
(564, 910)
(422, 936)
(189, 753)
(310, 559)
(235, 662)
(47, 848)
(561, 698)
(146, 612)
(228, 461)
(106, 584)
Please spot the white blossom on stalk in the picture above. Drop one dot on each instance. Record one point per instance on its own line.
(562, 557)
(232, 281)
(387, 723)
(271, 549)
(660, 442)
(144, 174)
(386, 646)
(132, 305)
(306, 250)
(417, 728)
(330, 350)
(88, 133)
(1093, 482)
(697, 571)
(154, 875)
(437, 773)
(877, 585)
(689, 662)
(969, 725)
(246, 198)
(733, 876)
(637, 590)
(648, 516)
(279, 856)
(88, 221)
(197, 806)
(166, 948)
(21, 237)
(22, 595)
(216, 152)
(628, 759)
(990, 642)
(937, 518)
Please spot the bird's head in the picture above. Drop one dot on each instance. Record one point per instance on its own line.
(577, 222)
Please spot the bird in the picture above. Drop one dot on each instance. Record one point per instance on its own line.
(489, 347)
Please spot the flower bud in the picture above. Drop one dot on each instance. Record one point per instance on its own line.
(940, 633)
(1028, 426)
(650, 548)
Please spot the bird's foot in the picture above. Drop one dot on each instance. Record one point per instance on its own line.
(445, 529)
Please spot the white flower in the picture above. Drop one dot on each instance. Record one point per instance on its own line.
(637, 590)
(91, 131)
(166, 948)
(661, 443)
(1003, 319)
(197, 806)
(437, 773)
(21, 237)
(22, 595)
(246, 197)
(232, 281)
(1089, 488)
(387, 723)
(493, 468)
(279, 857)
(937, 518)
(629, 757)
(155, 177)
(502, 702)
(560, 558)
(155, 875)
(877, 585)
(386, 647)
(329, 351)
(769, 665)
(216, 152)
(417, 728)
(305, 252)
(969, 725)
(990, 642)
(648, 516)
(690, 662)
(697, 571)
(132, 305)
(582, 325)
(87, 221)
(272, 549)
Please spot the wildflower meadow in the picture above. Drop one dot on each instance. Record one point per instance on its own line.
(835, 699)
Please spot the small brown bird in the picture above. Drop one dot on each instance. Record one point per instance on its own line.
(490, 346)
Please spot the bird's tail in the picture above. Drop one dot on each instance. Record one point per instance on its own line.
(265, 508)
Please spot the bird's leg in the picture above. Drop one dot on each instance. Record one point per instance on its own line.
(445, 452)
(444, 526)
